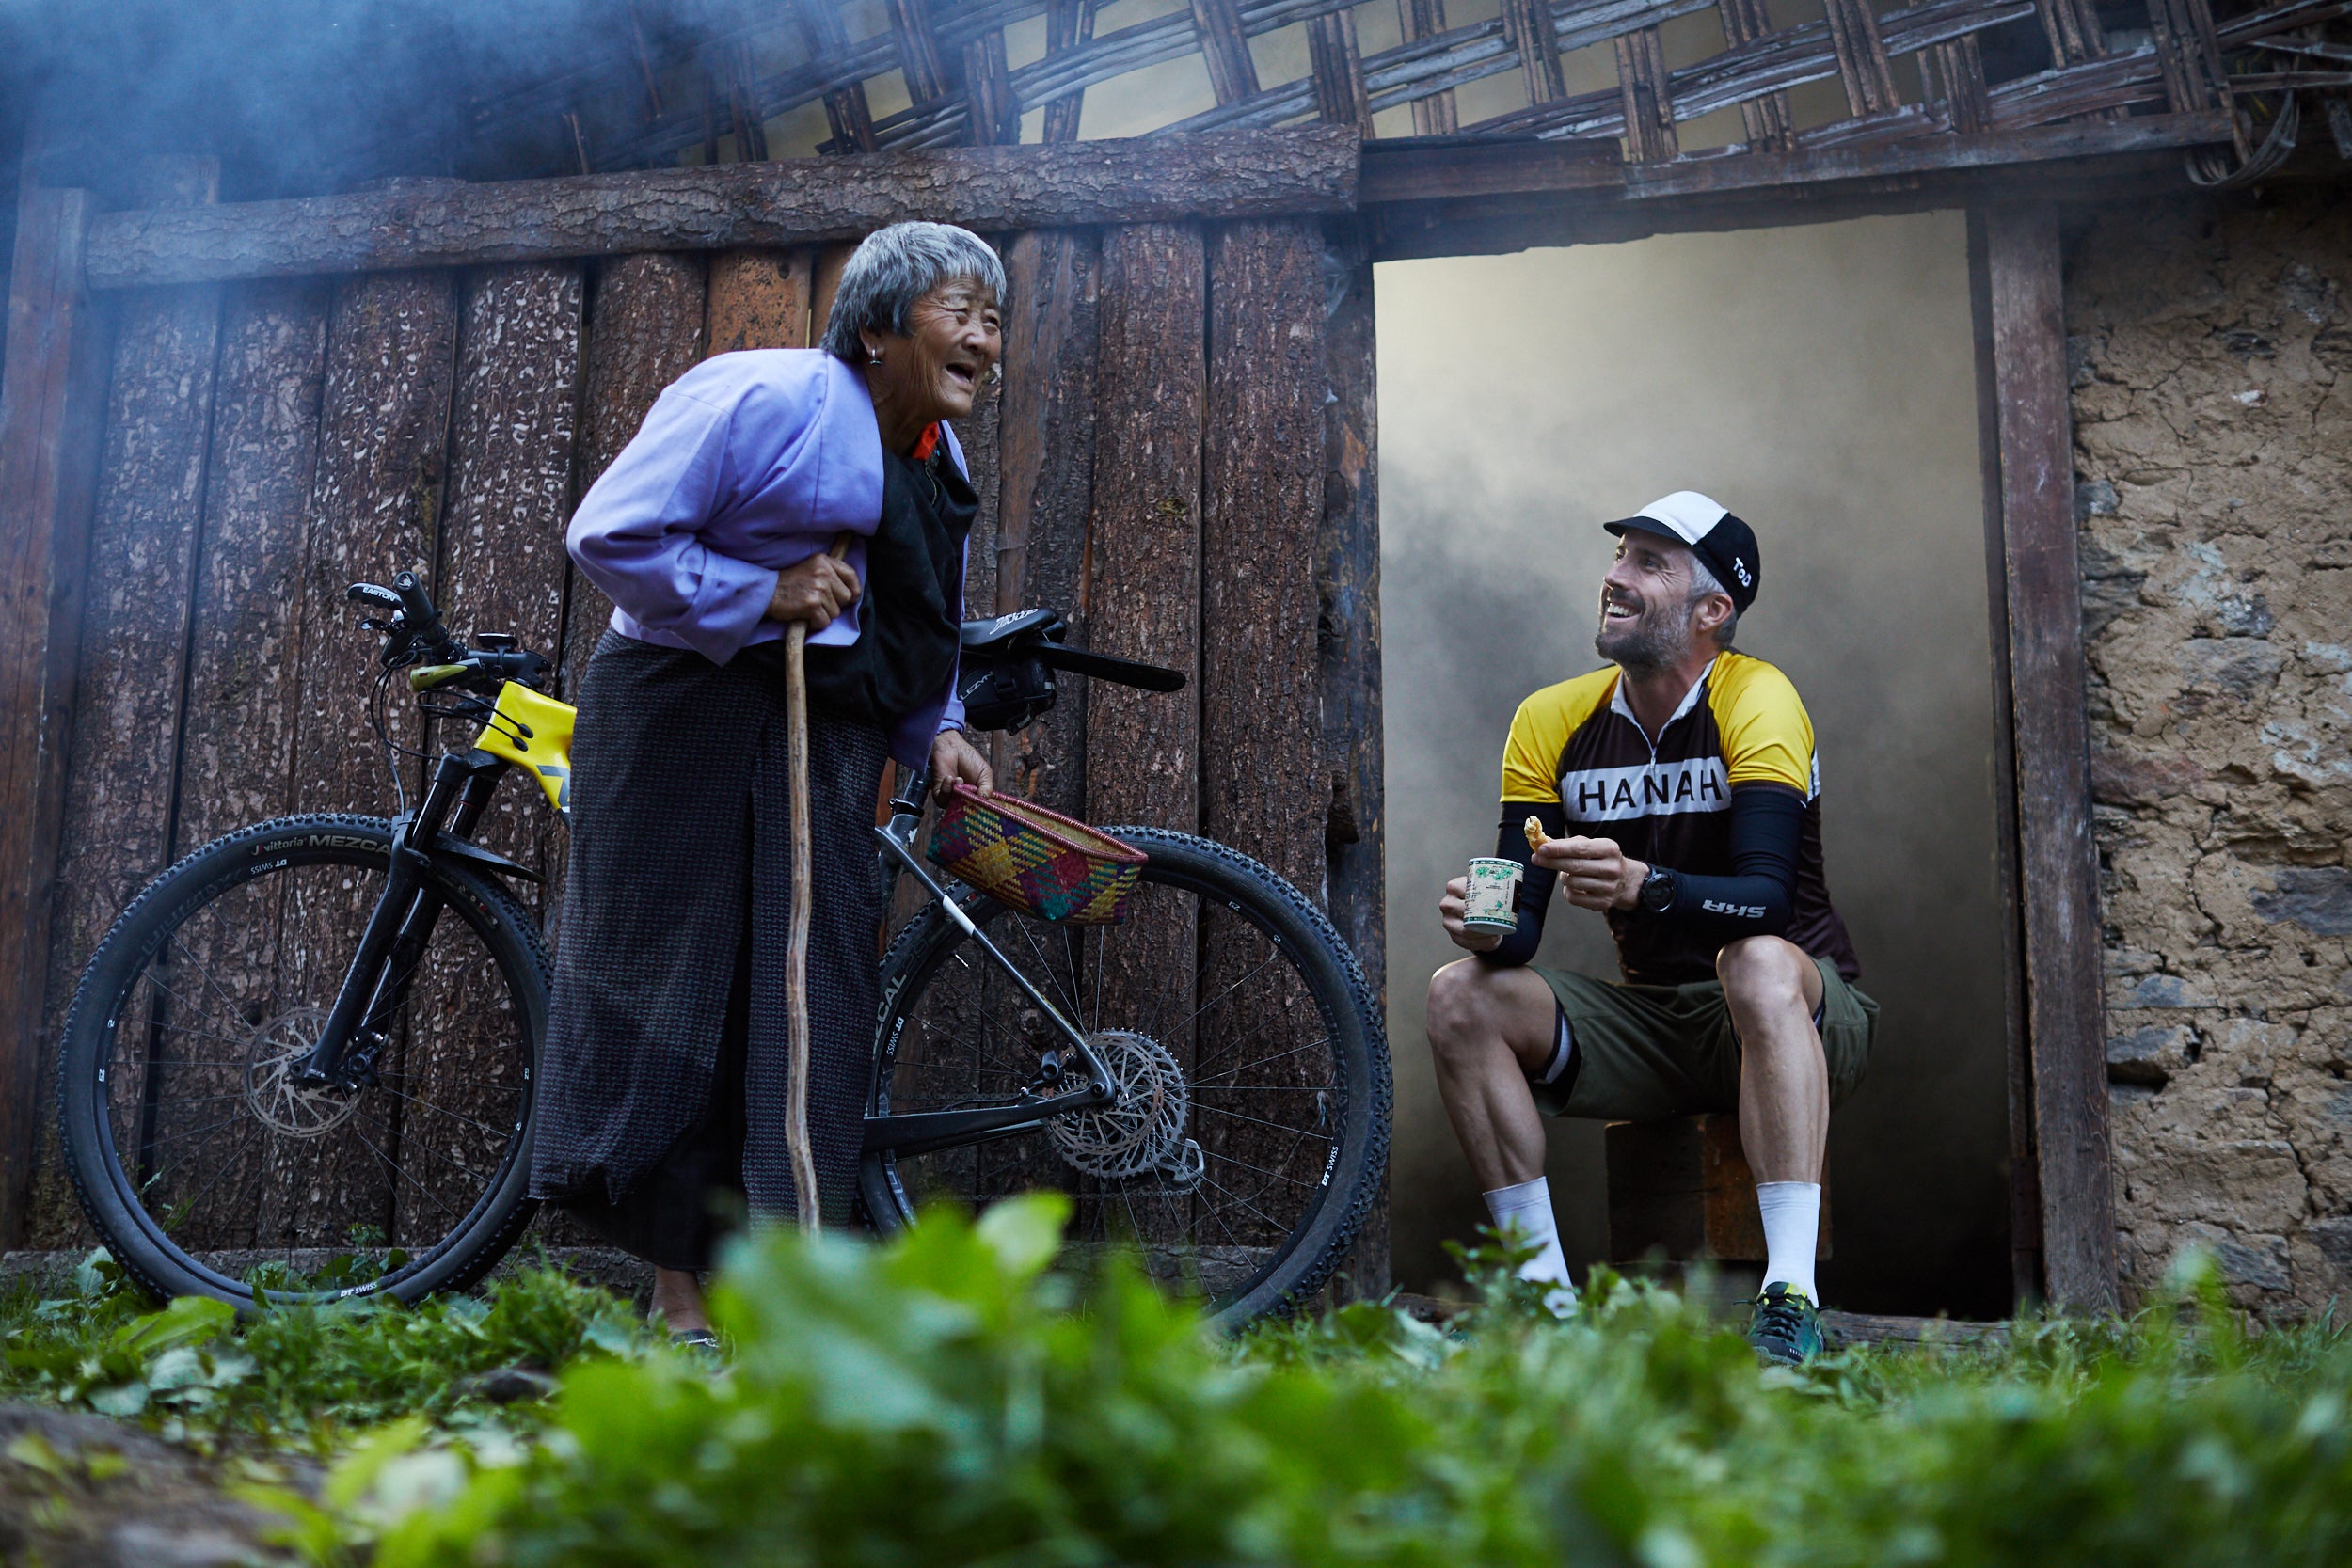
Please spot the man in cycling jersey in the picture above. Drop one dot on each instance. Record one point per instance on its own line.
(1677, 792)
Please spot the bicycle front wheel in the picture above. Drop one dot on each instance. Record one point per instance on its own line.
(1252, 1121)
(210, 1168)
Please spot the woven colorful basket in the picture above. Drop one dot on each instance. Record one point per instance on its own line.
(1035, 859)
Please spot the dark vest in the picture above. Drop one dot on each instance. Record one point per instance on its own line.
(910, 601)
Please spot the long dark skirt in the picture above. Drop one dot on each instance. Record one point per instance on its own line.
(663, 1084)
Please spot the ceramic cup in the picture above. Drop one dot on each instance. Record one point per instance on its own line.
(1494, 892)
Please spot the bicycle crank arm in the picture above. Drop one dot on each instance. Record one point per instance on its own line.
(1098, 1092)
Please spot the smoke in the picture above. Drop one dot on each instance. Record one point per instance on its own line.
(1820, 381)
(298, 97)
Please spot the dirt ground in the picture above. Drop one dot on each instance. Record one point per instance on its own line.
(87, 1492)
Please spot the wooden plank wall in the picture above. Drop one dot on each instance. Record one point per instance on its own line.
(1179, 459)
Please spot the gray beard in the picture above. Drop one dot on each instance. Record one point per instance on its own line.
(1658, 639)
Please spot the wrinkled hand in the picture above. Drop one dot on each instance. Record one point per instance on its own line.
(1594, 874)
(1450, 908)
(954, 757)
(815, 591)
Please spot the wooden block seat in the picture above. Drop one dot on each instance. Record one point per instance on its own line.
(1681, 1191)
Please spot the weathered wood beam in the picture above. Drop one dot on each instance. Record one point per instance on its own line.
(757, 299)
(919, 59)
(52, 400)
(1766, 119)
(995, 111)
(1500, 223)
(1649, 103)
(1402, 170)
(122, 773)
(785, 202)
(2025, 1185)
(646, 330)
(1929, 155)
(1260, 511)
(1143, 592)
(1956, 74)
(1770, 63)
(1339, 72)
(846, 110)
(1068, 25)
(2057, 859)
(1347, 591)
(1433, 115)
(1052, 467)
(1225, 49)
(1407, 179)
(1862, 62)
(1527, 26)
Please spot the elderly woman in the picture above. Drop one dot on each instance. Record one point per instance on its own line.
(662, 1095)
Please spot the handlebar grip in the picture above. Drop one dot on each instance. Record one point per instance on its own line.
(424, 622)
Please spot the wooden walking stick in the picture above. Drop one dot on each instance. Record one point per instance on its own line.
(796, 946)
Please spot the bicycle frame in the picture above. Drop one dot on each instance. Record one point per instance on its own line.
(529, 729)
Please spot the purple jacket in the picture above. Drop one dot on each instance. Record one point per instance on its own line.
(748, 464)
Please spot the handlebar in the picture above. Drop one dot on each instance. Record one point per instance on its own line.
(423, 621)
(414, 636)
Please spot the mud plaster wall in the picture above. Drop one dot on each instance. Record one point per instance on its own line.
(2211, 349)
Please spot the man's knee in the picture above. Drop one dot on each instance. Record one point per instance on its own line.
(1458, 1006)
(1763, 973)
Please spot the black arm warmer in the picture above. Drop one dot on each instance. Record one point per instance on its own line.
(1758, 898)
(1534, 886)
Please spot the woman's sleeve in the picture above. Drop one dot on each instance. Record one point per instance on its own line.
(637, 533)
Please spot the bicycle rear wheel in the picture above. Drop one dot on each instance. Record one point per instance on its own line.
(208, 1168)
(1253, 1122)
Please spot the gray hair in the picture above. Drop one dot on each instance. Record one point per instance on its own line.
(892, 269)
(1704, 583)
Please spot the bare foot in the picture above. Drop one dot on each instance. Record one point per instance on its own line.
(677, 1301)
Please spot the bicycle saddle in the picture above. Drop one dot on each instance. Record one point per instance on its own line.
(1007, 676)
(998, 630)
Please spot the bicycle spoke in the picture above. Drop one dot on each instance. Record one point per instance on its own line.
(201, 1193)
(205, 973)
(439, 1111)
(1212, 1181)
(393, 1166)
(1278, 1126)
(1211, 1083)
(199, 1132)
(1277, 1176)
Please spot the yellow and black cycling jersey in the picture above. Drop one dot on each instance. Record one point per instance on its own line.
(1578, 758)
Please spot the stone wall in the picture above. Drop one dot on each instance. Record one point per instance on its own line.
(2211, 347)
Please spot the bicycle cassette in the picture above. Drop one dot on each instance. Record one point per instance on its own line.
(1143, 1129)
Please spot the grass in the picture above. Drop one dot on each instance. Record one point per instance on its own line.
(954, 1398)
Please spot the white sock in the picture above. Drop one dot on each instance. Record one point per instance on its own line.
(1526, 1210)
(1792, 1229)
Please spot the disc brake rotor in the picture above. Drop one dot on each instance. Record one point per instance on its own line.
(285, 1106)
(1143, 1129)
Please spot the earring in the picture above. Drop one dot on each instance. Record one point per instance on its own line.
(996, 374)
(873, 356)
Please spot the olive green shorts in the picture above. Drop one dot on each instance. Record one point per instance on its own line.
(1645, 1052)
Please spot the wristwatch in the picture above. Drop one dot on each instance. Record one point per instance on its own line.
(1658, 892)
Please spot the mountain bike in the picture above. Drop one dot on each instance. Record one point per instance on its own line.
(301, 1065)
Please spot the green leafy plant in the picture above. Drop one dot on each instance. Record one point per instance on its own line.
(304, 1375)
(954, 1399)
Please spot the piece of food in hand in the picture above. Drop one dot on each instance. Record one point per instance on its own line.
(1536, 837)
